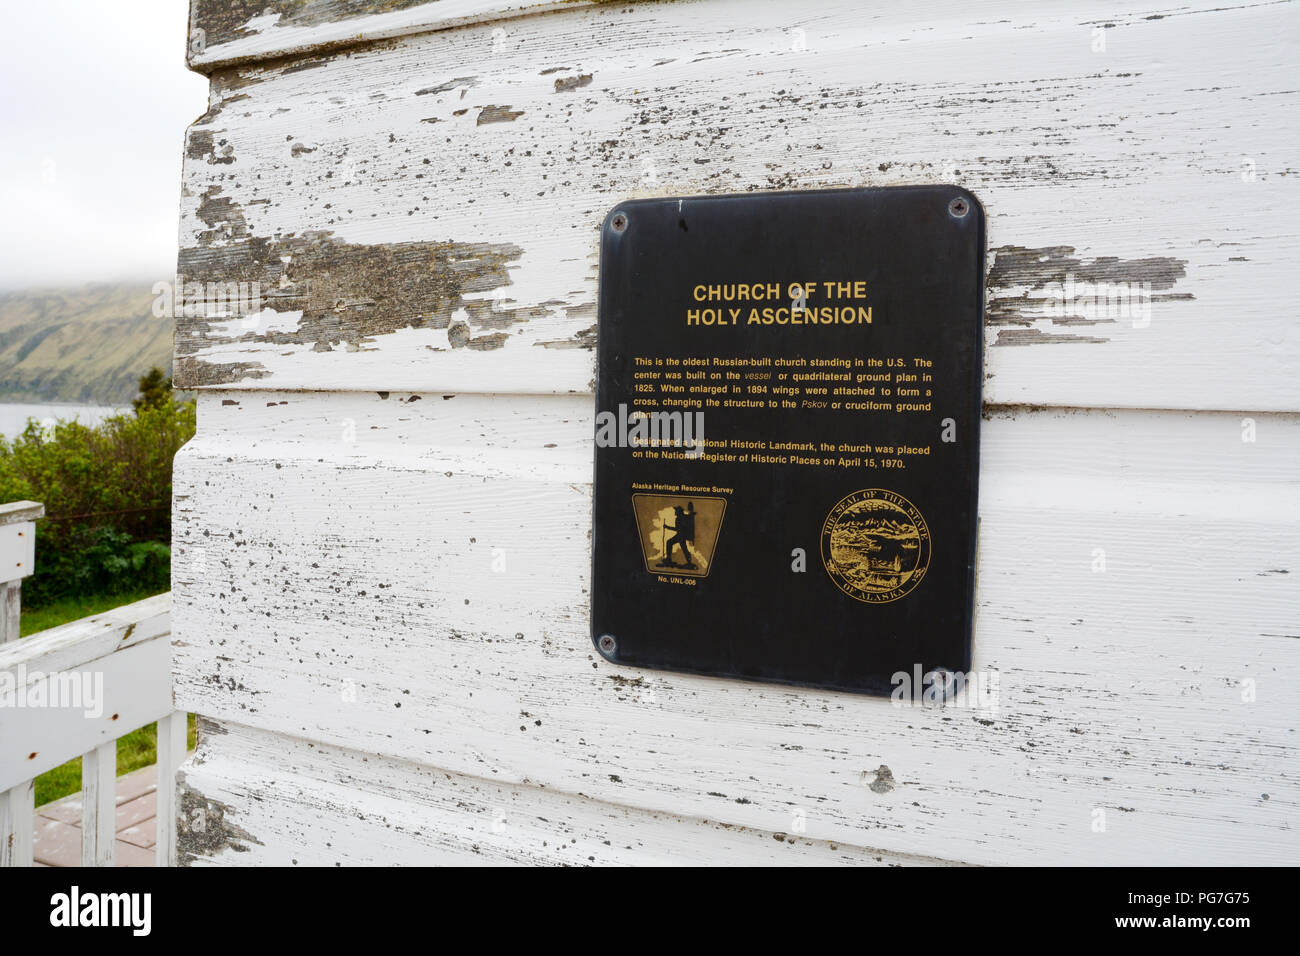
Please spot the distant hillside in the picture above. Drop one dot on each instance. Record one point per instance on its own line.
(84, 344)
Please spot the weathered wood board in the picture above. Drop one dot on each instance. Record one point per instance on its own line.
(358, 809)
(405, 201)
(1122, 688)
(382, 529)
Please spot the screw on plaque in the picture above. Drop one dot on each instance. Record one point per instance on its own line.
(619, 222)
(607, 644)
(958, 208)
(946, 680)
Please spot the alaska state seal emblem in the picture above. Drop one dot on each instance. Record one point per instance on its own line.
(875, 546)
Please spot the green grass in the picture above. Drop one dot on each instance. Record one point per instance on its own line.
(73, 608)
(138, 748)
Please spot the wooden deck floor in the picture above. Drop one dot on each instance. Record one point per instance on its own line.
(58, 824)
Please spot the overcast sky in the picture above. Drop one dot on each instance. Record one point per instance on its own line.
(94, 105)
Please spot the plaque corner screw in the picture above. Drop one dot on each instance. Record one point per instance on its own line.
(607, 644)
(619, 222)
(958, 208)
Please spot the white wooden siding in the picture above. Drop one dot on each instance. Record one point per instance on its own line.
(417, 394)
(1135, 154)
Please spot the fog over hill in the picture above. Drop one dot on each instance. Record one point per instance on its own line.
(86, 343)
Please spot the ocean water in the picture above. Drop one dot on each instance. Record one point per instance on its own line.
(13, 418)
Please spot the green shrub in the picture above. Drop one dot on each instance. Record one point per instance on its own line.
(102, 560)
(107, 494)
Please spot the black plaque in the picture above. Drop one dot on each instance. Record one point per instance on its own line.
(809, 514)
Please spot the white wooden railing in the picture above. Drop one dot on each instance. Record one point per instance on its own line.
(17, 557)
(73, 691)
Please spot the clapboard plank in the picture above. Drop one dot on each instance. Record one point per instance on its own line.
(224, 32)
(408, 578)
(423, 213)
(257, 799)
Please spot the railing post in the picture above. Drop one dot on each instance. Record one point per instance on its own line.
(172, 737)
(17, 820)
(11, 614)
(99, 805)
(17, 560)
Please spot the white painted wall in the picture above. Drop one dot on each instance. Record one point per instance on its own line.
(375, 692)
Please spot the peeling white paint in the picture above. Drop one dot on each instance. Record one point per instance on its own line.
(1063, 145)
(263, 322)
(262, 22)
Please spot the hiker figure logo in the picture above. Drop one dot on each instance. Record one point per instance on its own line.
(875, 546)
(678, 532)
